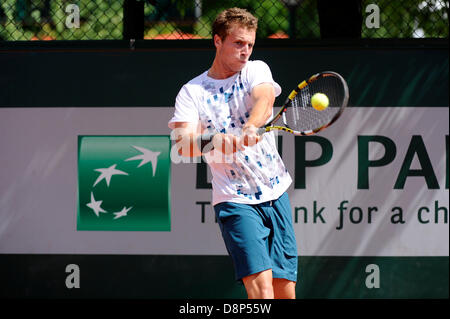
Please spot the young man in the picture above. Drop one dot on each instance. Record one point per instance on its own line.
(232, 99)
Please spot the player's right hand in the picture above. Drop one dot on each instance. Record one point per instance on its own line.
(249, 135)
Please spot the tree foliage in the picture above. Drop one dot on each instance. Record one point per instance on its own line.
(103, 19)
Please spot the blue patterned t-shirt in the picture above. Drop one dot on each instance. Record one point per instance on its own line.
(256, 174)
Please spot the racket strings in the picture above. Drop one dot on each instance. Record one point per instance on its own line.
(303, 117)
(295, 113)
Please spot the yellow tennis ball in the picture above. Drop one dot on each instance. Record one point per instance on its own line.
(319, 101)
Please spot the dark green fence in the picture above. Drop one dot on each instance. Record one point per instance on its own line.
(191, 19)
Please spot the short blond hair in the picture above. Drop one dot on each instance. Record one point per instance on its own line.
(227, 18)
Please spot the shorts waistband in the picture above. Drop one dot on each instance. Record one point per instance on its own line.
(263, 204)
(266, 204)
(270, 202)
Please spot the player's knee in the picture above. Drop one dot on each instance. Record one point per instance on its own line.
(284, 294)
(266, 292)
(261, 291)
(284, 289)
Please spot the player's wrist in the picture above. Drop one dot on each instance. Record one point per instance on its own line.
(218, 138)
(249, 128)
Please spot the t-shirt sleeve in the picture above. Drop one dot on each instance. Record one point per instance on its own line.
(259, 72)
(185, 108)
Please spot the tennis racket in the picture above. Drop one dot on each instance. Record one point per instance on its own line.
(297, 113)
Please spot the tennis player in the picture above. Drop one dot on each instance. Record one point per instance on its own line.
(231, 99)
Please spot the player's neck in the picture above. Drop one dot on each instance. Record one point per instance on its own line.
(219, 72)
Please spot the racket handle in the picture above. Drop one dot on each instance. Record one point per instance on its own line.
(261, 130)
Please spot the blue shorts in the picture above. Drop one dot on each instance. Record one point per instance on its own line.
(260, 237)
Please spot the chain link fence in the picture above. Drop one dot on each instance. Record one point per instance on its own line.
(191, 19)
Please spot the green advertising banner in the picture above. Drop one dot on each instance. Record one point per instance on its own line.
(123, 183)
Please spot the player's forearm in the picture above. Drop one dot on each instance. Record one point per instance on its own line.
(261, 112)
(193, 145)
(186, 138)
(188, 147)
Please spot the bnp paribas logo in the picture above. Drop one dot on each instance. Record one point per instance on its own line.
(124, 183)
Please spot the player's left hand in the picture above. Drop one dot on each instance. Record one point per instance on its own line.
(249, 135)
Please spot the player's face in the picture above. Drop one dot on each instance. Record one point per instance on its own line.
(235, 50)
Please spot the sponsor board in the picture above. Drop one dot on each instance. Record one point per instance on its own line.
(373, 184)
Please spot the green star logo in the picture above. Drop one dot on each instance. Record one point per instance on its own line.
(124, 183)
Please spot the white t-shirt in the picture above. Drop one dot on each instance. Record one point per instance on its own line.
(255, 175)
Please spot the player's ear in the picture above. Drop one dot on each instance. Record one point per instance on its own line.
(217, 40)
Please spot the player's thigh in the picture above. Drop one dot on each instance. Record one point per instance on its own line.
(258, 282)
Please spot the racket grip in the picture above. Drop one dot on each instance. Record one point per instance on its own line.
(261, 130)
